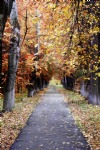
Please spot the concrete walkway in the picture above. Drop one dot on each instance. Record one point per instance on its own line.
(51, 127)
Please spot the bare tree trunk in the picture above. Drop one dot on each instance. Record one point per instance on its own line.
(0, 61)
(9, 96)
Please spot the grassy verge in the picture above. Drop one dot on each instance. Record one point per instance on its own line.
(11, 123)
(87, 116)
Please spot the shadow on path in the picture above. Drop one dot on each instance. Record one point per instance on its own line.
(51, 127)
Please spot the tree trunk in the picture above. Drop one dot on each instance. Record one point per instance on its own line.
(9, 95)
(30, 91)
(12, 68)
(2, 24)
(0, 61)
(13, 60)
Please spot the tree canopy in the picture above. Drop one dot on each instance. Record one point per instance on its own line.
(58, 38)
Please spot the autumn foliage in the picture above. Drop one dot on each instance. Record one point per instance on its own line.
(57, 37)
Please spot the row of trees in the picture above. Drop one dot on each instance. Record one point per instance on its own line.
(85, 36)
(12, 17)
(61, 40)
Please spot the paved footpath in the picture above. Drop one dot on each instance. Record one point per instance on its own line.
(51, 127)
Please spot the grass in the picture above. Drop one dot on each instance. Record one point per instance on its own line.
(86, 116)
(1, 103)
